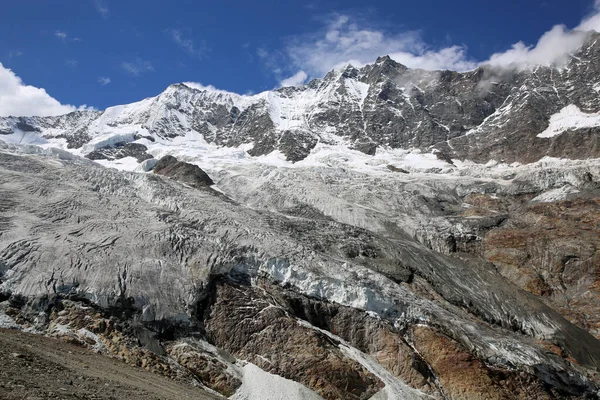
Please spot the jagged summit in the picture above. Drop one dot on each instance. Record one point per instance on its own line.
(487, 113)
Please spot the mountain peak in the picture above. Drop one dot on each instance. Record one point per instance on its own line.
(383, 59)
(381, 104)
(387, 60)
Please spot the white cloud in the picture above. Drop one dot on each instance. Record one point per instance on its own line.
(187, 44)
(553, 47)
(208, 88)
(64, 36)
(104, 80)
(273, 61)
(347, 40)
(61, 35)
(453, 58)
(102, 8)
(19, 99)
(137, 67)
(200, 86)
(592, 21)
(343, 41)
(295, 80)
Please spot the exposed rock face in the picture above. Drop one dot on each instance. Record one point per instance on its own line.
(208, 368)
(484, 114)
(553, 251)
(251, 328)
(465, 377)
(182, 172)
(136, 150)
(511, 132)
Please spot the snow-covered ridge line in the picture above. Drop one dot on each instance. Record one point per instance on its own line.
(372, 109)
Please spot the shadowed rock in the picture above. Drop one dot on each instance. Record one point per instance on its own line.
(182, 172)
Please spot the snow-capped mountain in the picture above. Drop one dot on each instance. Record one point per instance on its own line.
(381, 233)
(478, 115)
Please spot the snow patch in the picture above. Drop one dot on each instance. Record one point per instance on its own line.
(570, 118)
(123, 164)
(193, 148)
(358, 90)
(258, 384)
(21, 137)
(107, 141)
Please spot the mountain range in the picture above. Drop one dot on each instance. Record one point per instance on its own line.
(382, 232)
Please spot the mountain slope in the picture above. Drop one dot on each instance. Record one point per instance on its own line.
(190, 262)
(478, 115)
(379, 233)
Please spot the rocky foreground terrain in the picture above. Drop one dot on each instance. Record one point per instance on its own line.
(35, 367)
(382, 233)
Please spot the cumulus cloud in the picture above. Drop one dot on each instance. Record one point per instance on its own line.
(137, 67)
(295, 80)
(553, 47)
(19, 99)
(104, 80)
(343, 41)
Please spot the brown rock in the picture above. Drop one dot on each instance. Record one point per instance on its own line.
(553, 251)
(463, 376)
(244, 322)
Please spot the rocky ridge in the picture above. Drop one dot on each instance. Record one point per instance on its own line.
(484, 114)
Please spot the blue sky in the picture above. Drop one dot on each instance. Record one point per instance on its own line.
(106, 52)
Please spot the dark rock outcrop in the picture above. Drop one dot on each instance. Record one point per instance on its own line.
(121, 150)
(183, 172)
